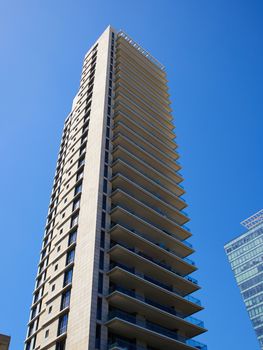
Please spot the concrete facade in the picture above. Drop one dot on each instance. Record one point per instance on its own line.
(113, 271)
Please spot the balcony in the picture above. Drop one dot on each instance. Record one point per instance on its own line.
(132, 302)
(147, 177)
(148, 213)
(152, 248)
(124, 324)
(148, 122)
(162, 293)
(144, 100)
(146, 131)
(148, 266)
(143, 154)
(143, 66)
(150, 146)
(153, 200)
(130, 104)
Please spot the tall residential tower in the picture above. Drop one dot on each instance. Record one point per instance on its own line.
(245, 254)
(114, 271)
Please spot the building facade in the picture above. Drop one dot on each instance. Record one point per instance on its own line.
(4, 342)
(114, 271)
(245, 254)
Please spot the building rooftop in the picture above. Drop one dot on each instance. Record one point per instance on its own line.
(253, 220)
(141, 50)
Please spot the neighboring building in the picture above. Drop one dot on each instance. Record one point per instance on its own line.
(4, 342)
(113, 271)
(245, 255)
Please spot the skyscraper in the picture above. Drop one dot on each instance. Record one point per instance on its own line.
(114, 271)
(245, 254)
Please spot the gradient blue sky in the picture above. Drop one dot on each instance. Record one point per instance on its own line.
(213, 52)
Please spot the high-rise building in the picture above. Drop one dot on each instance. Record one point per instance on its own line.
(114, 271)
(245, 254)
(4, 342)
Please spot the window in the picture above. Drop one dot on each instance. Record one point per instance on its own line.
(68, 277)
(65, 300)
(53, 287)
(74, 220)
(101, 260)
(108, 132)
(100, 283)
(103, 219)
(106, 157)
(47, 333)
(62, 324)
(80, 175)
(50, 309)
(70, 256)
(78, 188)
(105, 185)
(104, 202)
(72, 237)
(81, 162)
(56, 267)
(61, 345)
(107, 144)
(105, 171)
(76, 204)
(97, 339)
(102, 239)
(99, 308)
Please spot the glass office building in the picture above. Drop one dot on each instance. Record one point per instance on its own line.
(245, 254)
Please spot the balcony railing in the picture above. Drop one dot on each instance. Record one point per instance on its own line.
(167, 309)
(174, 172)
(156, 282)
(124, 345)
(155, 261)
(155, 328)
(155, 209)
(162, 246)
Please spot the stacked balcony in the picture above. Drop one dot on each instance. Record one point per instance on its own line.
(150, 302)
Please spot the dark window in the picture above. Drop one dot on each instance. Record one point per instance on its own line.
(106, 157)
(105, 170)
(108, 132)
(107, 144)
(68, 277)
(103, 219)
(109, 101)
(108, 121)
(62, 324)
(65, 300)
(104, 202)
(109, 110)
(105, 185)
(99, 308)
(70, 256)
(98, 332)
(102, 239)
(61, 345)
(100, 283)
(110, 76)
(72, 237)
(101, 260)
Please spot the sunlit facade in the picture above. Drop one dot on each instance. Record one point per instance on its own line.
(114, 271)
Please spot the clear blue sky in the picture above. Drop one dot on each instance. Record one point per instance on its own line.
(213, 52)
